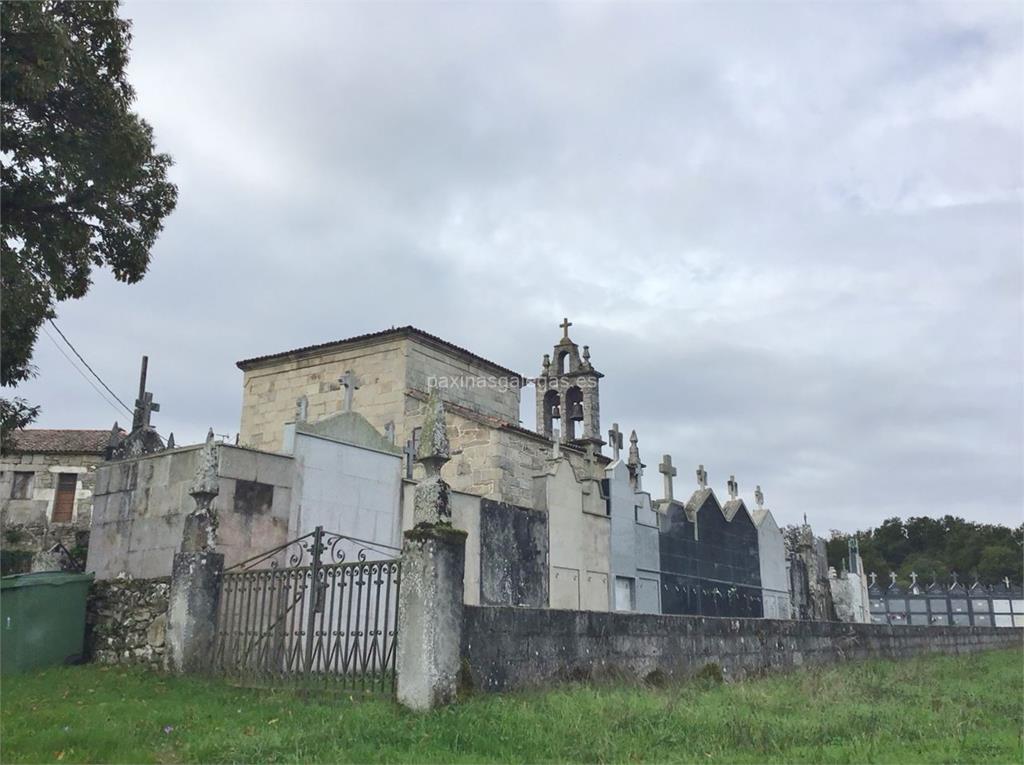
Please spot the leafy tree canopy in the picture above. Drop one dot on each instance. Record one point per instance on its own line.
(81, 184)
(935, 547)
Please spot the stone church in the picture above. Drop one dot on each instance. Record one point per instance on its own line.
(556, 517)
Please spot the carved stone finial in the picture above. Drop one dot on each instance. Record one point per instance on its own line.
(634, 450)
(546, 365)
(170, 441)
(759, 496)
(432, 500)
(586, 356)
(301, 408)
(389, 432)
(200, 530)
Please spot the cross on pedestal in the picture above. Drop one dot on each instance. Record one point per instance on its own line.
(873, 577)
(702, 477)
(734, 488)
(666, 469)
(759, 496)
(913, 579)
(565, 328)
(892, 578)
(615, 440)
(410, 454)
(351, 385)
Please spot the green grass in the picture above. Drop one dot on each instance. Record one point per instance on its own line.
(932, 709)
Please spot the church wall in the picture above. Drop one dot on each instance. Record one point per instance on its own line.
(347, 489)
(270, 389)
(139, 509)
(473, 385)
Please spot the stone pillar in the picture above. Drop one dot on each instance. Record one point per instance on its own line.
(192, 610)
(430, 597)
(196, 574)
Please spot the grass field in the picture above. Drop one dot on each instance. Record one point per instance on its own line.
(933, 709)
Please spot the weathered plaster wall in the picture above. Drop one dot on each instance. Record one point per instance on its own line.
(126, 621)
(140, 506)
(349, 489)
(850, 596)
(514, 564)
(511, 648)
(579, 534)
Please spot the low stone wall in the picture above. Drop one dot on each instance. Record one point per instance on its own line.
(126, 621)
(511, 648)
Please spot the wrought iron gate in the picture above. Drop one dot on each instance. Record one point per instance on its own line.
(319, 618)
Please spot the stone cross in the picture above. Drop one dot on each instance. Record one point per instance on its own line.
(410, 454)
(873, 577)
(615, 439)
(351, 385)
(702, 477)
(734, 488)
(565, 328)
(1006, 581)
(913, 579)
(666, 469)
(892, 578)
(144, 404)
(759, 496)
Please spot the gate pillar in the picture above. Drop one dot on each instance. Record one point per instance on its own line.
(196, 574)
(430, 598)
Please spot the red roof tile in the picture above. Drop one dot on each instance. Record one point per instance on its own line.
(42, 441)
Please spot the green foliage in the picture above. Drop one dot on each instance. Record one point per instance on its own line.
(15, 413)
(81, 185)
(935, 547)
(934, 709)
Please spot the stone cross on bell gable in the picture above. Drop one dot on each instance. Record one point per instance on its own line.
(351, 385)
(667, 470)
(144, 404)
(565, 328)
(759, 496)
(702, 477)
(615, 440)
(734, 488)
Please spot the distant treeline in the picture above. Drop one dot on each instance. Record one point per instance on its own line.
(935, 547)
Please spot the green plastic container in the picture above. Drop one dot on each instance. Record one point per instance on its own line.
(42, 620)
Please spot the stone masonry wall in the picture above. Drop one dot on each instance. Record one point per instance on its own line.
(126, 621)
(511, 648)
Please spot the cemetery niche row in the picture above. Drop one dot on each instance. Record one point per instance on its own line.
(1001, 605)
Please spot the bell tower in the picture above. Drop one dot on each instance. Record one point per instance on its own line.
(567, 394)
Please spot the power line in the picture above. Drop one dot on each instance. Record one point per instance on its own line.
(75, 366)
(79, 355)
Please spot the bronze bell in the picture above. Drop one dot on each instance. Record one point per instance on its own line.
(577, 412)
(556, 412)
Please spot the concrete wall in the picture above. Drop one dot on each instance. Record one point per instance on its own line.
(140, 506)
(579, 537)
(508, 649)
(348, 489)
(635, 556)
(774, 577)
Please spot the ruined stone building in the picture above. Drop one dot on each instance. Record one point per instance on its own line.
(328, 437)
(46, 486)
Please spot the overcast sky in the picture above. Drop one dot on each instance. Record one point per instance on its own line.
(790, 233)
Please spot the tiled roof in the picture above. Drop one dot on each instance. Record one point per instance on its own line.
(394, 332)
(42, 441)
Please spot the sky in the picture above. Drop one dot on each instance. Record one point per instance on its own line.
(790, 233)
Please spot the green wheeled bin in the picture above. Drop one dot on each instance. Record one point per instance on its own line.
(42, 620)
